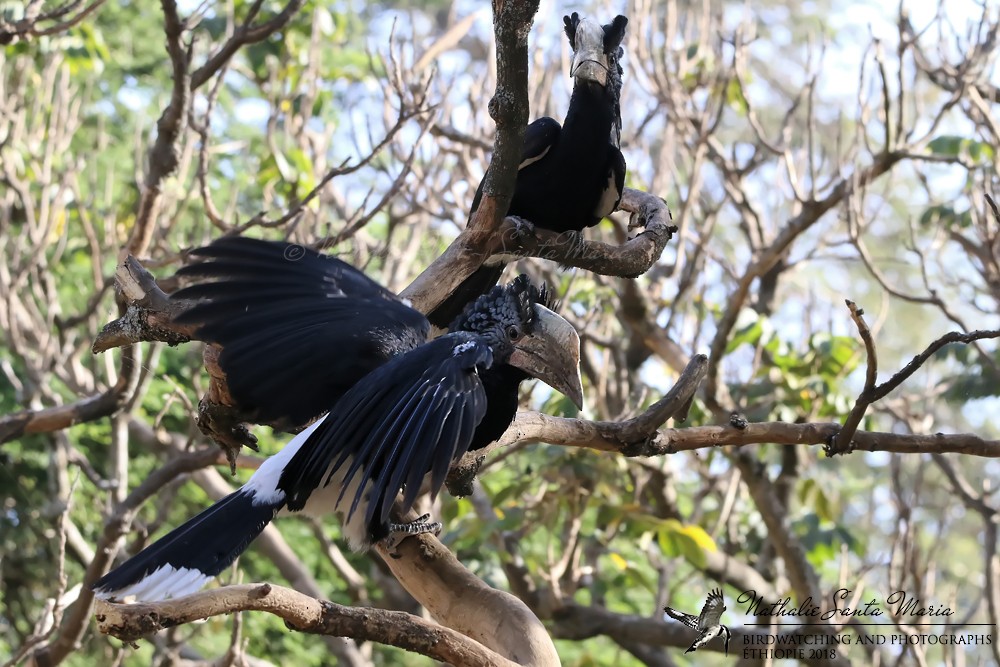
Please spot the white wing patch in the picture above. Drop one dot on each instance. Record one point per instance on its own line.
(163, 583)
(533, 160)
(264, 483)
(609, 198)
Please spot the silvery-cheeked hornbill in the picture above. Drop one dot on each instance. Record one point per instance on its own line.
(303, 333)
(570, 177)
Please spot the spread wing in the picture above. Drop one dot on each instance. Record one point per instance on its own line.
(297, 328)
(687, 619)
(413, 415)
(711, 613)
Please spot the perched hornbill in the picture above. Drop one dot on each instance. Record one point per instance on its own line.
(303, 333)
(570, 177)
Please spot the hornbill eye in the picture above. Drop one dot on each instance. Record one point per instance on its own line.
(513, 332)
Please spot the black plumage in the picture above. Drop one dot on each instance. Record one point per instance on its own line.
(301, 333)
(571, 176)
(285, 316)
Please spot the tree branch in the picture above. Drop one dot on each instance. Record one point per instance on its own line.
(149, 313)
(509, 109)
(247, 33)
(871, 393)
(538, 427)
(300, 612)
(27, 27)
(628, 260)
(811, 211)
(163, 157)
(630, 437)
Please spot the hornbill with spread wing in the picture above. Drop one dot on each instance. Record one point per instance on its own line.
(570, 176)
(302, 333)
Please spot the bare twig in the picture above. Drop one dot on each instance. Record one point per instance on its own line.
(857, 413)
(247, 33)
(28, 27)
(169, 128)
(872, 392)
(509, 109)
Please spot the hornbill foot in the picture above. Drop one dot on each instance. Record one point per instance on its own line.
(831, 449)
(226, 426)
(516, 233)
(400, 531)
(641, 217)
(523, 228)
(736, 420)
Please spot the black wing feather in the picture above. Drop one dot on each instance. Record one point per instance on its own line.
(711, 613)
(539, 137)
(413, 415)
(297, 328)
(687, 619)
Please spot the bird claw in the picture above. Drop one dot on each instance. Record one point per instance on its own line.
(522, 227)
(400, 531)
(516, 234)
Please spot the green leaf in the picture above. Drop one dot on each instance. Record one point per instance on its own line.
(735, 98)
(947, 145)
(950, 145)
(750, 329)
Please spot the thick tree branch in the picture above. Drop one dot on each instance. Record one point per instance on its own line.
(538, 427)
(460, 600)
(628, 260)
(300, 612)
(149, 311)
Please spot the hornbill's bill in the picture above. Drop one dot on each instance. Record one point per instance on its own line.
(302, 333)
(570, 177)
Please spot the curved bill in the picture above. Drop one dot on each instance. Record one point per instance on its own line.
(552, 354)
